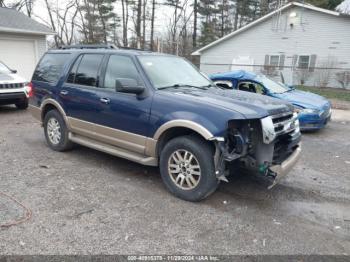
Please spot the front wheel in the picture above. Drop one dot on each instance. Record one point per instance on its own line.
(187, 168)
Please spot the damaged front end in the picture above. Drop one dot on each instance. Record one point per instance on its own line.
(268, 146)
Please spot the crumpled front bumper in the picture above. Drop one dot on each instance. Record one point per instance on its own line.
(285, 167)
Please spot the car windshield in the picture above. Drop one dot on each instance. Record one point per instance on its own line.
(4, 69)
(169, 71)
(273, 86)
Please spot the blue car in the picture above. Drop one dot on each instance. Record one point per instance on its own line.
(314, 110)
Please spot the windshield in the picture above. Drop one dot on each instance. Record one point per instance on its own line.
(273, 86)
(169, 71)
(4, 69)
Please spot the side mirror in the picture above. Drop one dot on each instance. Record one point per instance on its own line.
(128, 85)
(13, 71)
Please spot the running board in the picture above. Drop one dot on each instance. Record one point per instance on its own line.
(113, 150)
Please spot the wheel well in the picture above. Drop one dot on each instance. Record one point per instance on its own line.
(46, 109)
(174, 132)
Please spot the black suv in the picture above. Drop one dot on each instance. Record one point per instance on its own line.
(158, 109)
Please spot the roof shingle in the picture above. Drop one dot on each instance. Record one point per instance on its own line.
(13, 21)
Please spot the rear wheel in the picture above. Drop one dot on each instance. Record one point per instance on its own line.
(56, 132)
(187, 168)
(22, 105)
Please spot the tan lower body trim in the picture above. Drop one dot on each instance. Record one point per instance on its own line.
(113, 150)
(115, 137)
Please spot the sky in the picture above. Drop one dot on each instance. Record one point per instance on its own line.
(344, 7)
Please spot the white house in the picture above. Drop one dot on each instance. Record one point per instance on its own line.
(306, 43)
(22, 41)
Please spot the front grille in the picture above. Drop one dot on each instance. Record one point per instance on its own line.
(284, 146)
(12, 85)
(281, 118)
(283, 122)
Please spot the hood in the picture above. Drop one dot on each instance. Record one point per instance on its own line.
(11, 79)
(303, 99)
(250, 105)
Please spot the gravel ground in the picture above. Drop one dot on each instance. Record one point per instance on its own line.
(87, 202)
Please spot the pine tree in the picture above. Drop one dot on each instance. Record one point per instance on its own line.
(99, 21)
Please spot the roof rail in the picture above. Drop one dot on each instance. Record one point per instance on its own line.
(108, 46)
(131, 48)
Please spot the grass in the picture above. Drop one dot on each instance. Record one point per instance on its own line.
(330, 93)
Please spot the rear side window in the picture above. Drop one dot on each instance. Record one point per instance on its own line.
(50, 68)
(85, 70)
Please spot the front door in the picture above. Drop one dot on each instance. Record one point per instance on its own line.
(124, 118)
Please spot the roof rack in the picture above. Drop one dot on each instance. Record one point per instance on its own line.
(131, 48)
(109, 46)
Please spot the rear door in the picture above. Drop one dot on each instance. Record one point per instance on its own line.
(79, 92)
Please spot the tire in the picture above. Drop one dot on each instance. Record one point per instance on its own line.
(54, 124)
(173, 173)
(22, 105)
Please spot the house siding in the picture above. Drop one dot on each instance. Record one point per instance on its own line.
(313, 33)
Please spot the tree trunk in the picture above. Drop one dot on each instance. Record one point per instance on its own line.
(125, 16)
(144, 24)
(138, 23)
(152, 24)
(235, 24)
(194, 36)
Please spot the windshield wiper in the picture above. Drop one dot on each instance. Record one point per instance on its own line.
(182, 85)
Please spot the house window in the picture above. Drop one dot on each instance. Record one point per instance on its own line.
(274, 60)
(304, 61)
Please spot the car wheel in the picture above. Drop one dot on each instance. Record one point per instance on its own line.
(56, 132)
(22, 105)
(187, 168)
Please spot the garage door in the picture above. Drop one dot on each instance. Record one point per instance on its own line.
(19, 55)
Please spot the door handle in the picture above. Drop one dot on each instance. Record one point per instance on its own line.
(105, 100)
(64, 92)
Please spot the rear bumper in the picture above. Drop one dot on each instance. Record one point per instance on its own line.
(12, 98)
(286, 166)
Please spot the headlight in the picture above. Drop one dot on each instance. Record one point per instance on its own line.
(300, 110)
(310, 111)
(268, 130)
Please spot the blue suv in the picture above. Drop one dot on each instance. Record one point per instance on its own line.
(157, 109)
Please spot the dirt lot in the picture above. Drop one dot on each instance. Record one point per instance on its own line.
(87, 202)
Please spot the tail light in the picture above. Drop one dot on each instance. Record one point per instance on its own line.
(30, 90)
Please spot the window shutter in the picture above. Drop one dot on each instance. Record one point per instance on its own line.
(295, 59)
(281, 65)
(266, 64)
(312, 63)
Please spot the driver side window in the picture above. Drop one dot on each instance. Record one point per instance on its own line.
(120, 67)
(251, 87)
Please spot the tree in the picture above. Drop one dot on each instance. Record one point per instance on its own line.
(195, 15)
(62, 21)
(98, 21)
(152, 24)
(125, 20)
(327, 4)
